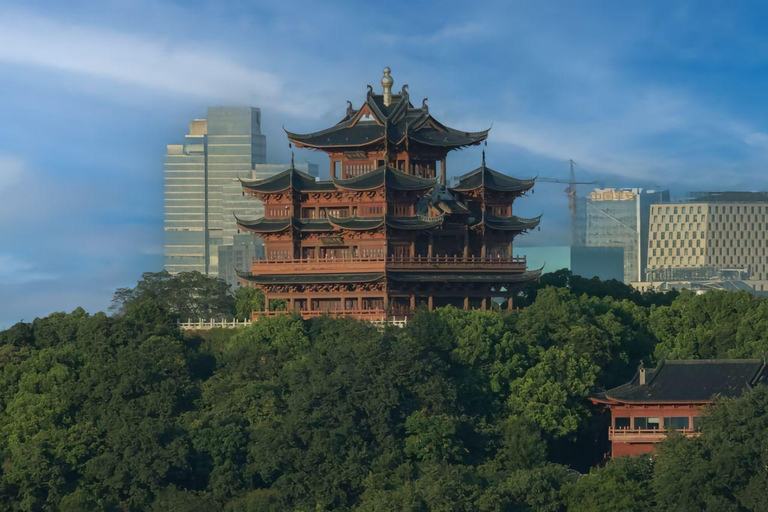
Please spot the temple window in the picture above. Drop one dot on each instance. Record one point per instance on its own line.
(621, 423)
(677, 423)
(647, 423)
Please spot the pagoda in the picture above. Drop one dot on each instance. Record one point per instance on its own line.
(386, 234)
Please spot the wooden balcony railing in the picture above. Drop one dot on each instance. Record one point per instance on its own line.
(371, 315)
(645, 435)
(455, 263)
(361, 265)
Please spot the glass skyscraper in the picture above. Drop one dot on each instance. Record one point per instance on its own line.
(202, 190)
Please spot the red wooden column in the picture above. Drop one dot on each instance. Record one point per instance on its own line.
(443, 172)
(466, 244)
(466, 303)
(413, 303)
(484, 303)
(509, 304)
(431, 303)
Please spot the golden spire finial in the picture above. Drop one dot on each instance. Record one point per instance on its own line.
(386, 84)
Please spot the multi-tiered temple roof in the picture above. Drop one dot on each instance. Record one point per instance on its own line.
(386, 233)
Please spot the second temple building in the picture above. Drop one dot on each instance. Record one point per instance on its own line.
(387, 234)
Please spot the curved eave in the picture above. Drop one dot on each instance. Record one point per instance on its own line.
(518, 224)
(385, 176)
(485, 177)
(356, 223)
(413, 223)
(267, 186)
(453, 139)
(263, 225)
(324, 139)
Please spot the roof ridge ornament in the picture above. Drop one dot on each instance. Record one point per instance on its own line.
(404, 91)
(424, 105)
(386, 84)
(370, 90)
(350, 109)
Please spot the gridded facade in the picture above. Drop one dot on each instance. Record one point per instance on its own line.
(619, 218)
(703, 240)
(202, 190)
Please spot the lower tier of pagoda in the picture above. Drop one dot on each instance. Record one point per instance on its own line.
(385, 295)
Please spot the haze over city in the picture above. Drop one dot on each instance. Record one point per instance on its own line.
(643, 94)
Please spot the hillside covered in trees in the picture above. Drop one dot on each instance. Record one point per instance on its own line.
(459, 411)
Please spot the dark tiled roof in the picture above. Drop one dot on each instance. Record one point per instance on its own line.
(290, 178)
(492, 180)
(414, 223)
(397, 121)
(386, 176)
(511, 223)
(689, 381)
(263, 225)
(310, 278)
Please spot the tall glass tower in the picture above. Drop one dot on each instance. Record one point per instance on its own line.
(202, 190)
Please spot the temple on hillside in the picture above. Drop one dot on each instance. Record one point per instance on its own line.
(387, 234)
(672, 397)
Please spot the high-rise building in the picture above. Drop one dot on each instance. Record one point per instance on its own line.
(202, 190)
(619, 218)
(711, 237)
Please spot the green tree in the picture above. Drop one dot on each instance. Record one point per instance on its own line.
(623, 485)
(187, 295)
(248, 299)
(725, 467)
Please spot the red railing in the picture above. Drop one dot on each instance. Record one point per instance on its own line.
(647, 435)
(376, 314)
(356, 264)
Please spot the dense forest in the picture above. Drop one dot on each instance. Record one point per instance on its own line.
(458, 411)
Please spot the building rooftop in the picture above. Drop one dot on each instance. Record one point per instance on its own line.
(687, 381)
(728, 197)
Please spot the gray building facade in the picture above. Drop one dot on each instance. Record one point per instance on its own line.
(619, 218)
(202, 189)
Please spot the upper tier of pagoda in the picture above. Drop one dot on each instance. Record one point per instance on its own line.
(390, 120)
(486, 178)
(295, 180)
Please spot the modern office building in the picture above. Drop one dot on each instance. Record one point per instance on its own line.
(712, 237)
(202, 189)
(619, 218)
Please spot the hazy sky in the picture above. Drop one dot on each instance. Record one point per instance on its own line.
(651, 93)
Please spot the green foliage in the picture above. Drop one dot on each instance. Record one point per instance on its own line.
(248, 299)
(187, 295)
(623, 485)
(459, 411)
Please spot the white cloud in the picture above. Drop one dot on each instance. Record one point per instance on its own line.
(11, 172)
(14, 270)
(757, 139)
(176, 67)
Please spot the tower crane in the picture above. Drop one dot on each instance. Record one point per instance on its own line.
(571, 191)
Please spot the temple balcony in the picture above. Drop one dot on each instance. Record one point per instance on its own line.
(371, 315)
(453, 263)
(399, 263)
(645, 435)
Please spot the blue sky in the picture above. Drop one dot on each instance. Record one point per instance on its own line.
(650, 93)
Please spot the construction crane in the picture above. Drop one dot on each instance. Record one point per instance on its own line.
(571, 191)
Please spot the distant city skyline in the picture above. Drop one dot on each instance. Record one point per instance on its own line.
(646, 95)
